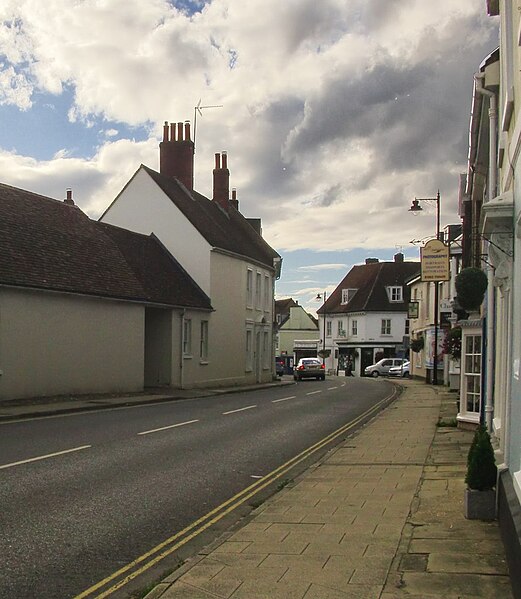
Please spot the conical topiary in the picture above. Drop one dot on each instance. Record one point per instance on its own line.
(481, 463)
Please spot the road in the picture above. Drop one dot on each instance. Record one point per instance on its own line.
(83, 495)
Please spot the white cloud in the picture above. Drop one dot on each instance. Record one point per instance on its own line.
(335, 115)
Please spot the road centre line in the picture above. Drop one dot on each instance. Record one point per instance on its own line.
(239, 410)
(164, 428)
(313, 392)
(44, 457)
(141, 564)
(283, 399)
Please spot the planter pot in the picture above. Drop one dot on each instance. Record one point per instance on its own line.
(480, 505)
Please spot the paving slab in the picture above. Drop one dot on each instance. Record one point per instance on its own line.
(379, 517)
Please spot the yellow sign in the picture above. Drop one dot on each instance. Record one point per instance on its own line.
(435, 261)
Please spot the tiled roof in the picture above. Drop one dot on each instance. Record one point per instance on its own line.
(47, 244)
(371, 281)
(225, 230)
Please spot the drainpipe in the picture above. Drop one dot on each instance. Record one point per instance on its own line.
(181, 357)
(491, 193)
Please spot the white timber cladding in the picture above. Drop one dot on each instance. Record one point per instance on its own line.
(144, 208)
(91, 345)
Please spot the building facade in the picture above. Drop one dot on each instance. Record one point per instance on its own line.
(365, 317)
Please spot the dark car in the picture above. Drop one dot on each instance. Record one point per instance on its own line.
(279, 366)
(309, 368)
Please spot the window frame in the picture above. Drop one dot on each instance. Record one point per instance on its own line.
(395, 294)
(187, 337)
(249, 287)
(203, 341)
(385, 326)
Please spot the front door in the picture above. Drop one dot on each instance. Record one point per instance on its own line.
(366, 359)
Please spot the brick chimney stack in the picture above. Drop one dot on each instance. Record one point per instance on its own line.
(68, 200)
(221, 181)
(234, 201)
(176, 153)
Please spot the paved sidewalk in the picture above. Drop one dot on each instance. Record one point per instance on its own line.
(381, 516)
(12, 409)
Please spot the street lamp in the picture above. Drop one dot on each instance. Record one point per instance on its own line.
(415, 207)
(318, 298)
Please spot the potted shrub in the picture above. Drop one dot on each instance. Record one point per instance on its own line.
(471, 284)
(481, 477)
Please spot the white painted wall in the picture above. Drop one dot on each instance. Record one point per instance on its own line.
(53, 344)
(144, 208)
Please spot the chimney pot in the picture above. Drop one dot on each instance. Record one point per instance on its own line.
(221, 181)
(68, 200)
(176, 155)
(398, 257)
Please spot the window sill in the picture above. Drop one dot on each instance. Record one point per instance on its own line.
(188, 357)
(204, 362)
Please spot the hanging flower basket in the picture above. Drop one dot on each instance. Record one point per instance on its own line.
(471, 284)
(417, 344)
(452, 343)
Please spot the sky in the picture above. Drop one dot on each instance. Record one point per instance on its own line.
(334, 114)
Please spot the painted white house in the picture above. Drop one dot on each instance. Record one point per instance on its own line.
(86, 307)
(491, 344)
(220, 249)
(366, 315)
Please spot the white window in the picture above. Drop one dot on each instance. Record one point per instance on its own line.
(258, 291)
(340, 329)
(249, 350)
(395, 294)
(354, 327)
(203, 348)
(347, 295)
(249, 287)
(328, 328)
(267, 294)
(265, 350)
(472, 379)
(386, 326)
(187, 337)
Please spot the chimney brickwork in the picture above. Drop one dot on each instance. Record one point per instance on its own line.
(176, 153)
(221, 181)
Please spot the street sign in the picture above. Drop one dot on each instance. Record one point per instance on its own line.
(435, 261)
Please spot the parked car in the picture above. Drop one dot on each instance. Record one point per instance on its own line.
(383, 366)
(279, 366)
(309, 368)
(403, 370)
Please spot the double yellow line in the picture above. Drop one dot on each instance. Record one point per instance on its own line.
(150, 558)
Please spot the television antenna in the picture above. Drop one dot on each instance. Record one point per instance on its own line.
(198, 110)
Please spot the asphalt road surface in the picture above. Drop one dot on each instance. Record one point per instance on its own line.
(82, 495)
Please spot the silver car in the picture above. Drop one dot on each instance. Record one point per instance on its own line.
(403, 370)
(382, 367)
(309, 368)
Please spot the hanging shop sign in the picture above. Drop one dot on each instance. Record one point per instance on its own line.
(435, 261)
